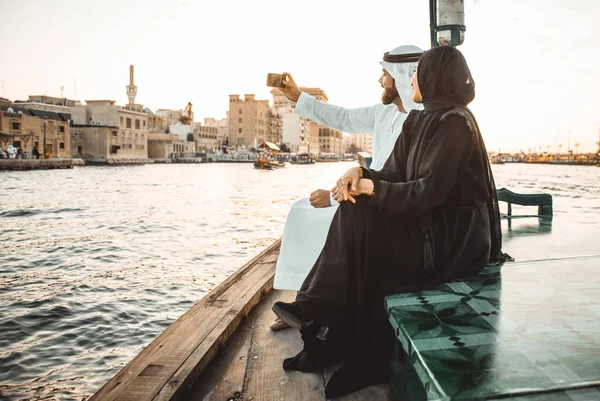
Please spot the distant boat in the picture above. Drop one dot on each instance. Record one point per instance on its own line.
(265, 163)
(302, 158)
(328, 158)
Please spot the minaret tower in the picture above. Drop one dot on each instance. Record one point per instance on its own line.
(131, 88)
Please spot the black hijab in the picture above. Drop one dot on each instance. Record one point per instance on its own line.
(444, 79)
(447, 86)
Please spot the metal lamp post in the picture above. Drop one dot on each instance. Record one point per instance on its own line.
(447, 22)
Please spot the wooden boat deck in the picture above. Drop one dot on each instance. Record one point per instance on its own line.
(250, 366)
(223, 349)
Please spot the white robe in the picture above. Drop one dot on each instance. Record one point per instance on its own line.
(306, 227)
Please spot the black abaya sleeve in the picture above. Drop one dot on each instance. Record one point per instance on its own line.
(394, 169)
(448, 152)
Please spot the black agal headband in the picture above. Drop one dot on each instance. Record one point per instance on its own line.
(402, 58)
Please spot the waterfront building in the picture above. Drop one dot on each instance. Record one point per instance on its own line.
(206, 138)
(106, 132)
(353, 143)
(222, 127)
(48, 103)
(248, 121)
(330, 140)
(163, 145)
(299, 133)
(275, 130)
(29, 129)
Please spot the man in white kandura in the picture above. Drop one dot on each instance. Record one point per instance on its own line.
(308, 222)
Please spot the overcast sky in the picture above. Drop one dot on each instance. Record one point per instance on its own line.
(535, 62)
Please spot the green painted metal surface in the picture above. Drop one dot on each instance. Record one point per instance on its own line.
(528, 331)
(542, 201)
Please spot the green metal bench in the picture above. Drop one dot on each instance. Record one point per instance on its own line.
(542, 201)
(525, 331)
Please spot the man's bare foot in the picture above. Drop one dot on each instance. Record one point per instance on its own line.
(320, 198)
(278, 324)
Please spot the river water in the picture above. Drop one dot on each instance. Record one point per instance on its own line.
(95, 262)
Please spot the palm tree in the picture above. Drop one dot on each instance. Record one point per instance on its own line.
(576, 148)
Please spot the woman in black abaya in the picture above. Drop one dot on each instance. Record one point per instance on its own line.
(430, 216)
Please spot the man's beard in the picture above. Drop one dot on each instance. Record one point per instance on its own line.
(389, 95)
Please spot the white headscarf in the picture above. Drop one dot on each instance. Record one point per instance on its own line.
(402, 74)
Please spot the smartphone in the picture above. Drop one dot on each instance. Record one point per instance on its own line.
(275, 80)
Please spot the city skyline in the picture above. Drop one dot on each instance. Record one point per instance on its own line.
(534, 81)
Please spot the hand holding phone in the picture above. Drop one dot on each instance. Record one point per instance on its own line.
(275, 80)
(286, 84)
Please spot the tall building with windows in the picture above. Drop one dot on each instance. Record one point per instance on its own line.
(29, 129)
(299, 133)
(330, 140)
(107, 131)
(248, 121)
(206, 138)
(275, 131)
(358, 142)
(222, 127)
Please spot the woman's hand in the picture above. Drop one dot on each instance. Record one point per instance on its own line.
(347, 182)
(365, 187)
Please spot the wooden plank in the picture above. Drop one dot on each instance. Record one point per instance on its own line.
(223, 378)
(187, 375)
(265, 378)
(154, 367)
(236, 375)
(202, 331)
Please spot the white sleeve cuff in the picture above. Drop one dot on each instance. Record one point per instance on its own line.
(305, 105)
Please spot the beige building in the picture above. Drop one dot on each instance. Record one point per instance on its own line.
(48, 103)
(206, 138)
(275, 130)
(29, 129)
(313, 139)
(330, 140)
(157, 123)
(299, 133)
(358, 143)
(248, 121)
(95, 142)
(295, 129)
(222, 127)
(123, 134)
(174, 117)
(163, 145)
